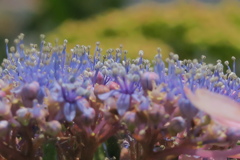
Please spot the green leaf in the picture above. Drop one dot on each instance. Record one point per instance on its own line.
(99, 154)
(49, 151)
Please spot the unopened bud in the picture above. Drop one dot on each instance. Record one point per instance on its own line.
(31, 89)
(130, 119)
(4, 127)
(23, 116)
(147, 80)
(42, 36)
(4, 108)
(157, 113)
(140, 53)
(29, 92)
(53, 128)
(88, 116)
(38, 112)
(175, 57)
(12, 49)
(6, 41)
(113, 85)
(177, 124)
(100, 89)
(99, 78)
(97, 43)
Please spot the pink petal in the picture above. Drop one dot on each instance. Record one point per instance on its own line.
(235, 156)
(221, 108)
(227, 123)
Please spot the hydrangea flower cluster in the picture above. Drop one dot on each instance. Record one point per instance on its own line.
(76, 101)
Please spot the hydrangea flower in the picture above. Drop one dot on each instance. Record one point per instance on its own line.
(78, 100)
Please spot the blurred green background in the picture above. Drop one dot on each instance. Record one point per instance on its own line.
(189, 28)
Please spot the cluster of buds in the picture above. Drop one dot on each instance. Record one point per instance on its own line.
(77, 101)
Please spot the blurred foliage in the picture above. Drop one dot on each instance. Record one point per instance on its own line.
(49, 151)
(55, 12)
(175, 37)
(187, 28)
(99, 154)
(111, 150)
(34, 17)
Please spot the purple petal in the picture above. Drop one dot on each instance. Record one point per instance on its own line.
(17, 90)
(37, 110)
(89, 113)
(144, 103)
(30, 91)
(69, 111)
(123, 103)
(82, 104)
(105, 96)
(40, 95)
(187, 109)
(136, 97)
(88, 116)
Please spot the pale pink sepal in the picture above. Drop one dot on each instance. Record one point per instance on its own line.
(221, 108)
